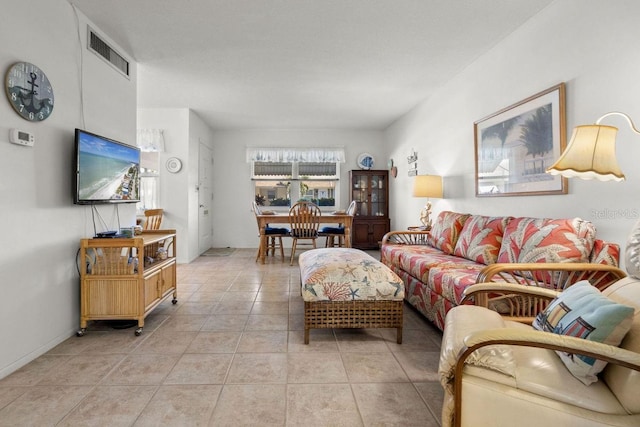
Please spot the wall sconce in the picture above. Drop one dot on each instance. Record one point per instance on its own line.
(427, 186)
(591, 153)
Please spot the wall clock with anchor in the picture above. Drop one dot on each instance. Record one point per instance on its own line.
(29, 91)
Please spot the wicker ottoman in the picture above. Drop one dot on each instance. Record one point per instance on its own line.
(347, 288)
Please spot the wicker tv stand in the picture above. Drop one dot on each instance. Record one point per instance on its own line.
(126, 278)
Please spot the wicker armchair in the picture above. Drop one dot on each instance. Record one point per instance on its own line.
(539, 390)
(520, 291)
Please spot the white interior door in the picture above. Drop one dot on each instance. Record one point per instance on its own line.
(205, 197)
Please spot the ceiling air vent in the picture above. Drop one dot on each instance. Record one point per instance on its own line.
(102, 49)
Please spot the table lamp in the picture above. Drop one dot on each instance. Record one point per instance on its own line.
(427, 186)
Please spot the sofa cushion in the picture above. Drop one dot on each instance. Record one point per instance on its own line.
(418, 259)
(445, 231)
(481, 238)
(582, 311)
(606, 253)
(547, 240)
(450, 280)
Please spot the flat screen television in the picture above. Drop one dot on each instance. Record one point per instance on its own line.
(107, 171)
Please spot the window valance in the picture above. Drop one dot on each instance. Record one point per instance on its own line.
(289, 155)
(150, 140)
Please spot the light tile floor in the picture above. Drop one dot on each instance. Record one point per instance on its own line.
(231, 353)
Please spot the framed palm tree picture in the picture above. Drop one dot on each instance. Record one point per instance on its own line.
(515, 146)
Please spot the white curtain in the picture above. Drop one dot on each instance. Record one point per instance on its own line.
(150, 140)
(151, 143)
(289, 155)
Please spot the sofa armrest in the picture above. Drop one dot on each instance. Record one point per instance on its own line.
(406, 238)
(482, 289)
(519, 291)
(558, 276)
(513, 301)
(534, 338)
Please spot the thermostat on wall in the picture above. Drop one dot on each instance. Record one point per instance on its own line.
(21, 137)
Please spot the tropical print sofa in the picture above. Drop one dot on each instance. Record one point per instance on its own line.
(463, 249)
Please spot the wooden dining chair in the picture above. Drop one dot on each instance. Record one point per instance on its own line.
(304, 218)
(152, 219)
(333, 233)
(273, 235)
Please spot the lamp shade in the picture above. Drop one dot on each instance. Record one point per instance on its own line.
(427, 186)
(591, 153)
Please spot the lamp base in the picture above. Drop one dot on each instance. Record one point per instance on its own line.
(425, 215)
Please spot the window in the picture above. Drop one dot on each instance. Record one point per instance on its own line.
(151, 144)
(149, 180)
(318, 182)
(278, 183)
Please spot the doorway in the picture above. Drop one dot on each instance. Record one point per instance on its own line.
(205, 198)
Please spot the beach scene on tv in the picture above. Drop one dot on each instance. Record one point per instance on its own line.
(107, 170)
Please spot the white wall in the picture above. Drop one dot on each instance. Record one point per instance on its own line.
(588, 44)
(183, 132)
(234, 224)
(39, 307)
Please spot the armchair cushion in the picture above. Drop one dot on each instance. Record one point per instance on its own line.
(332, 230)
(275, 230)
(469, 320)
(582, 311)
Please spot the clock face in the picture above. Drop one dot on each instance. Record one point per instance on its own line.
(29, 91)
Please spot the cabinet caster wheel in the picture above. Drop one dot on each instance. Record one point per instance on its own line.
(174, 301)
(80, 333)
(138, 332)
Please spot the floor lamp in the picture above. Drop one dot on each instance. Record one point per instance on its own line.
(427, 186)
(591, 154)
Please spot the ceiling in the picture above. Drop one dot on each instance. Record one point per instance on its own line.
(290, 64)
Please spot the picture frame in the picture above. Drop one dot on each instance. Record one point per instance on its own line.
(515, 146)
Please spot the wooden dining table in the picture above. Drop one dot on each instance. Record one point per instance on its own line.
(283, 218)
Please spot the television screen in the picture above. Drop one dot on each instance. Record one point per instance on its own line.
(107, 171)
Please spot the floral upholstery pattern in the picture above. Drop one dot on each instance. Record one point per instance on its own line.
(418, 260)
(481, 238)
(547, 240)
(435, 280)
(605, 253)
(445, 231)
(345, 274)
(429, 304)
(451, 281)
